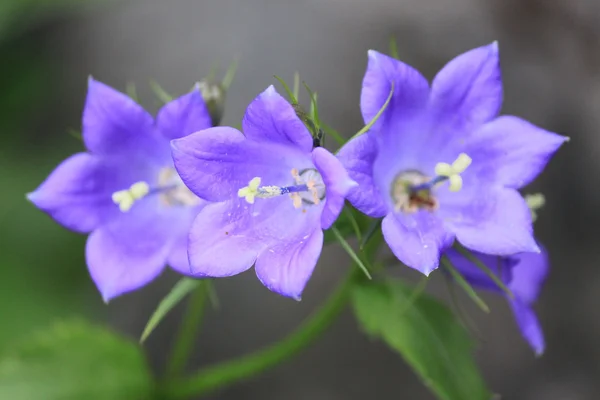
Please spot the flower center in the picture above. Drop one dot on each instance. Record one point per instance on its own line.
(309, 188)
(170, 189)
(412, 190)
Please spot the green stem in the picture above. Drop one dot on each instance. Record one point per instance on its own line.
(187, 330)
(227, 372)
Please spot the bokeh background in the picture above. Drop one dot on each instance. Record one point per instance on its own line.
(550, 55)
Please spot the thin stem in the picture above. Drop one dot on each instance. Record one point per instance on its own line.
(187, 331)
(227, 372)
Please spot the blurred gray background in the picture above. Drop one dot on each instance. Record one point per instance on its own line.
(550, 55)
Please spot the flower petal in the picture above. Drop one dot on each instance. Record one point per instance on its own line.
(271, 118)
(77, 194)
(215, 163)
(358, 156)
(337, 183)
(178, 256)
(529, 275)
(467, 92)
(182, 116)
(416, 239)
(529, 326)
(222, 242)
(286, 267)
(131, 251)
(511, 151)
(411, 89)
(114, 124)
(493, 220)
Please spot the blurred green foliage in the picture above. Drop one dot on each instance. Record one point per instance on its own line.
(40, 278)
(73, 361)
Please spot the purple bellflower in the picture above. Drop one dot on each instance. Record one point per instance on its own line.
(274, 194)
(439, 164)
(524, 274)
(125, 191)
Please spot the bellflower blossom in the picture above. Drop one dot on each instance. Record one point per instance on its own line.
(524, 274)
(125, 191)
(274, 194)
(439, 164)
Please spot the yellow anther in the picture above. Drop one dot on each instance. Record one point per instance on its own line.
(313, 190)
(249, 192)
(296, 200)
(126, 198)
(452, 172)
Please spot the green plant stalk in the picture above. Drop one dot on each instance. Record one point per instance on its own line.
(188, 329)
(225, 373)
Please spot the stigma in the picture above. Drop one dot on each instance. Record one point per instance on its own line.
(170, 189)
(309, 188)
(126, 198)
(412, 190)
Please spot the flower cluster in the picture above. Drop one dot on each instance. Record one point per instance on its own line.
(438, 165)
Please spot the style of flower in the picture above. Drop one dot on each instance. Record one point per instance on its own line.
(274, 194)
(523, 274)
(439, 164)
(125, 191)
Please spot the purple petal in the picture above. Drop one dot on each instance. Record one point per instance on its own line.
(114, 124)
(416, 239)
(182, 116)
(286, 267)
(222, 241)
(358, 156)
(467, 92)
(77, 194)
(511, 151)
(178, 256)
(529, 325)
(411, 89)
(529, 275)
(491, 220)
(131, 251)
(337, 183)
(217, 162)
(271, 118)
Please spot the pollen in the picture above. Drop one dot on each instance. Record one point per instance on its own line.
(452, 172)
(126, 198)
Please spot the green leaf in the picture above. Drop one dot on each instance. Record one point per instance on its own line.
(427, 336)
(373, 228)
(334, 134)
(179, 291)
(394, 48)
(296, 90)
(346, 246)
(479, 264)
(293, 99)
(132, 91)
(230, 74)
(160, 92)
(462, 282)
(377, 116)
(72, 361)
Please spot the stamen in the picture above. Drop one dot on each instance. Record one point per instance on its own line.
(452, 172)
(307, 182)
(126, 198)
